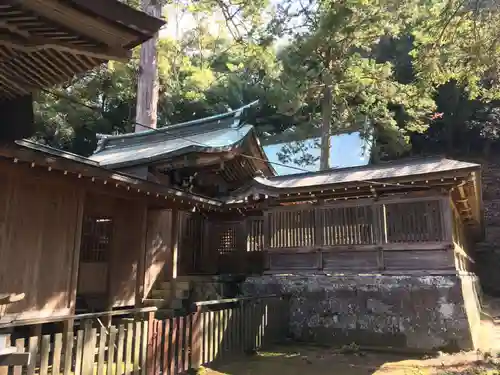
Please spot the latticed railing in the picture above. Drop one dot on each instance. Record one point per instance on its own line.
(324, 236)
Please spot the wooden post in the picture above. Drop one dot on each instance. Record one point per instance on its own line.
(4, 343)
(196, 339)
(141, 262)
(379, 228)
(76, 250)
(151, 349)
(447, 218)
(175, 244)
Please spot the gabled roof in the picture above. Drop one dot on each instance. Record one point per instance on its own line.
(371, 172)
(84, 168)
(46, 42)
(220, 133)
(403, 176)
(391, 175)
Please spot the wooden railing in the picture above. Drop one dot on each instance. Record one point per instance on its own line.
(362, 235)
(215, 330)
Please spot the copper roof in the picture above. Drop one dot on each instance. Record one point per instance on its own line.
(390, 173)
(220, 133)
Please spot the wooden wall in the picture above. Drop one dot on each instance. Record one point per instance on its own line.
(39, 221)
(121, 272)
(158, 257)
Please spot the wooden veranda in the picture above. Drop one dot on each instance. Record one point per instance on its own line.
(427, 222)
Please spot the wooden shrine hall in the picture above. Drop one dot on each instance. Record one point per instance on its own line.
(414, 214)
(408, 215)
(111, 238)
(43, 214)
(99, 234)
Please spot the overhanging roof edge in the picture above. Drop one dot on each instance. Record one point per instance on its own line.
(103, 139)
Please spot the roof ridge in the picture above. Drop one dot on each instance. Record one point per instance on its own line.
(362, 167)
(103, 139)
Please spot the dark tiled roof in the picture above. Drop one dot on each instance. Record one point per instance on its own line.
(212, 134)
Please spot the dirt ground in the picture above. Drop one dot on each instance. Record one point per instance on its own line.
(322, 361)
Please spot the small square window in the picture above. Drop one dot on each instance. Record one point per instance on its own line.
(96, 239)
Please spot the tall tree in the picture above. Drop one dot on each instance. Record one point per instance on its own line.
(148, 83)
(331, 61)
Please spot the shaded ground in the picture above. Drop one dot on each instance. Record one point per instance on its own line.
(291, 360)
(303, 360)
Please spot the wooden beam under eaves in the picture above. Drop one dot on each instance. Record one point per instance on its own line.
(121, 55)
(82, 24)
(31, 43)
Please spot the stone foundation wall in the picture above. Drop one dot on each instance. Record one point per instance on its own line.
(417, 312)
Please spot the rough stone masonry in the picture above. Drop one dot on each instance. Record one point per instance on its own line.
(416, 312)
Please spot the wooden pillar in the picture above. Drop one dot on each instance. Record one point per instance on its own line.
(318, 232)
(75, 267)
(174, 256)
(4, 343)
(380, 232)
(141, 262)
(447, 218)
(175, 245)
(266, 234)
(151, 349)
(196, 339)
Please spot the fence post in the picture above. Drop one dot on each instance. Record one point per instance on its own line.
(89, 339)
(151, 350)
(196, 337)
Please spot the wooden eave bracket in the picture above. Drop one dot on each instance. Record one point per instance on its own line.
(77, 21)
(36, 43)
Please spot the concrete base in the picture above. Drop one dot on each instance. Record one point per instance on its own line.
(414, 312)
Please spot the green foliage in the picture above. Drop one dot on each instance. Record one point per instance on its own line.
(388, 66)
(335, 50)
(201, 74)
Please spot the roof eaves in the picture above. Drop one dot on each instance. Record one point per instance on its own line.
(117, 176)
(389, 164)
(55, 152)
(123, 15)
(103, 139)
(257, 185)
(184, 150)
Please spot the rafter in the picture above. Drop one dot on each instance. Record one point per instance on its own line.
(77, 21)
(30, 43)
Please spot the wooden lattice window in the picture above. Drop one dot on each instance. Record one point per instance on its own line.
(227, 237)
(191, 228)
(292, 228)
(96, 239)
(255, 234)
(414, 222)
(347, 225)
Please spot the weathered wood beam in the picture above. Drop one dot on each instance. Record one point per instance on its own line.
(34, 44)
(77, 21)
(94, 172)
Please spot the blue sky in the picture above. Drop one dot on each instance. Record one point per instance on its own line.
(346, 151)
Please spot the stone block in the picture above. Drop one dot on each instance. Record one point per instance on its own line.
(421, 312)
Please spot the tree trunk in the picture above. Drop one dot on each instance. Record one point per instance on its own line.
(148, 83)
(326, 112)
